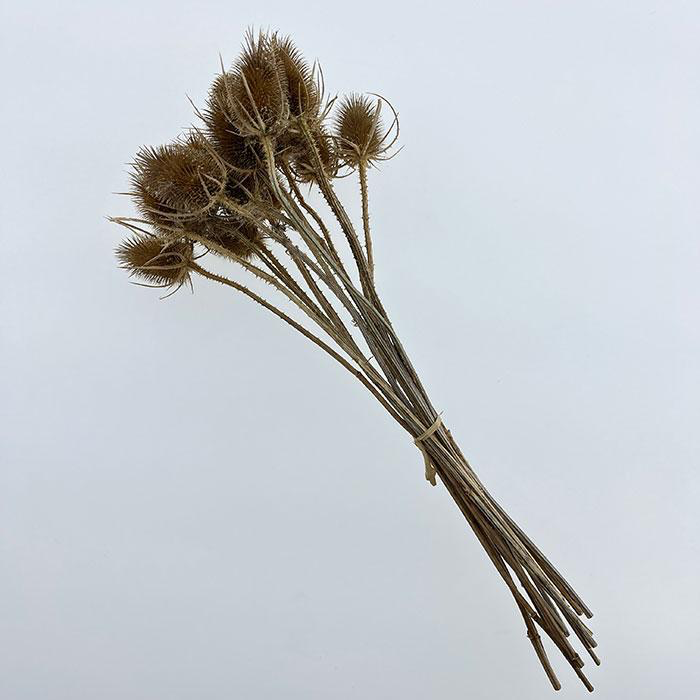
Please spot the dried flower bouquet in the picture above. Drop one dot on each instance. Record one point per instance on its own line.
(234, 188)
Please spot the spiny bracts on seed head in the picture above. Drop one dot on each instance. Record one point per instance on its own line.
(303, 92)
(359, 132)
(268, 90)
(218, 116)
(269, 86)
(257, 88)
(302, 158)
(177, 187)
(237, 236)
(177, 181)
(156, 261)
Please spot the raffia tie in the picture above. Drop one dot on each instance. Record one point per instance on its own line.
(430, 470)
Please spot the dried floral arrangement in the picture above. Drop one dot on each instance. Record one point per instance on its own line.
(234, 187)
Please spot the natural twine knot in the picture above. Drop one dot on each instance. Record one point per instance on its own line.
(430, 470)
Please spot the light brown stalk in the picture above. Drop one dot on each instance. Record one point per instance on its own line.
(362, 171)
(340, 214)
(313, 213)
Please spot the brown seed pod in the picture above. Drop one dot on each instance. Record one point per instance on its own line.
(257, 90)
(178, 181)
(238, 236)
(303, 93)
(155, 260)
(359, 133)
(157, 213)
(218, 116)
(303, 164)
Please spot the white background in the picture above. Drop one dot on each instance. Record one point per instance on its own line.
(196, 503)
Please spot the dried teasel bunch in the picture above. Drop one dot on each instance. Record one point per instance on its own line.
(235, 187)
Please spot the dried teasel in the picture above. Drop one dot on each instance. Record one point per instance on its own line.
(178, 181)
(176, 187)
(359, 132)
(303, 92)
(268, 63)
(156, 261)
(256, 89)
(225, 233)
(303, 164)
(237, 151)
(241, 155)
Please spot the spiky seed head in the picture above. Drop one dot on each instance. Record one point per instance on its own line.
(303, 163)
(156, 261)
(219, 116)
(303, 93)
(243, 240)
(238, 236)
(178, 180)
(150, 207)
(358, 131)
(257, 90)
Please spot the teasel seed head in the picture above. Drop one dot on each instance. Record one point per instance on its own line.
(241, 237)
(257, 90)
(156, 260)
(218, 116)
(302, 162)
(303, 92)
(178, 181)
(360, 136)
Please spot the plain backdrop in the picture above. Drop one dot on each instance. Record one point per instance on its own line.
(196, 503)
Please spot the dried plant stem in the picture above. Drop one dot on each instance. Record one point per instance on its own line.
(313, 213)
(362, 171)
(338, 211)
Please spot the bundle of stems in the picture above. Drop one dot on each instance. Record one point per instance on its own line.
(234, 187)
